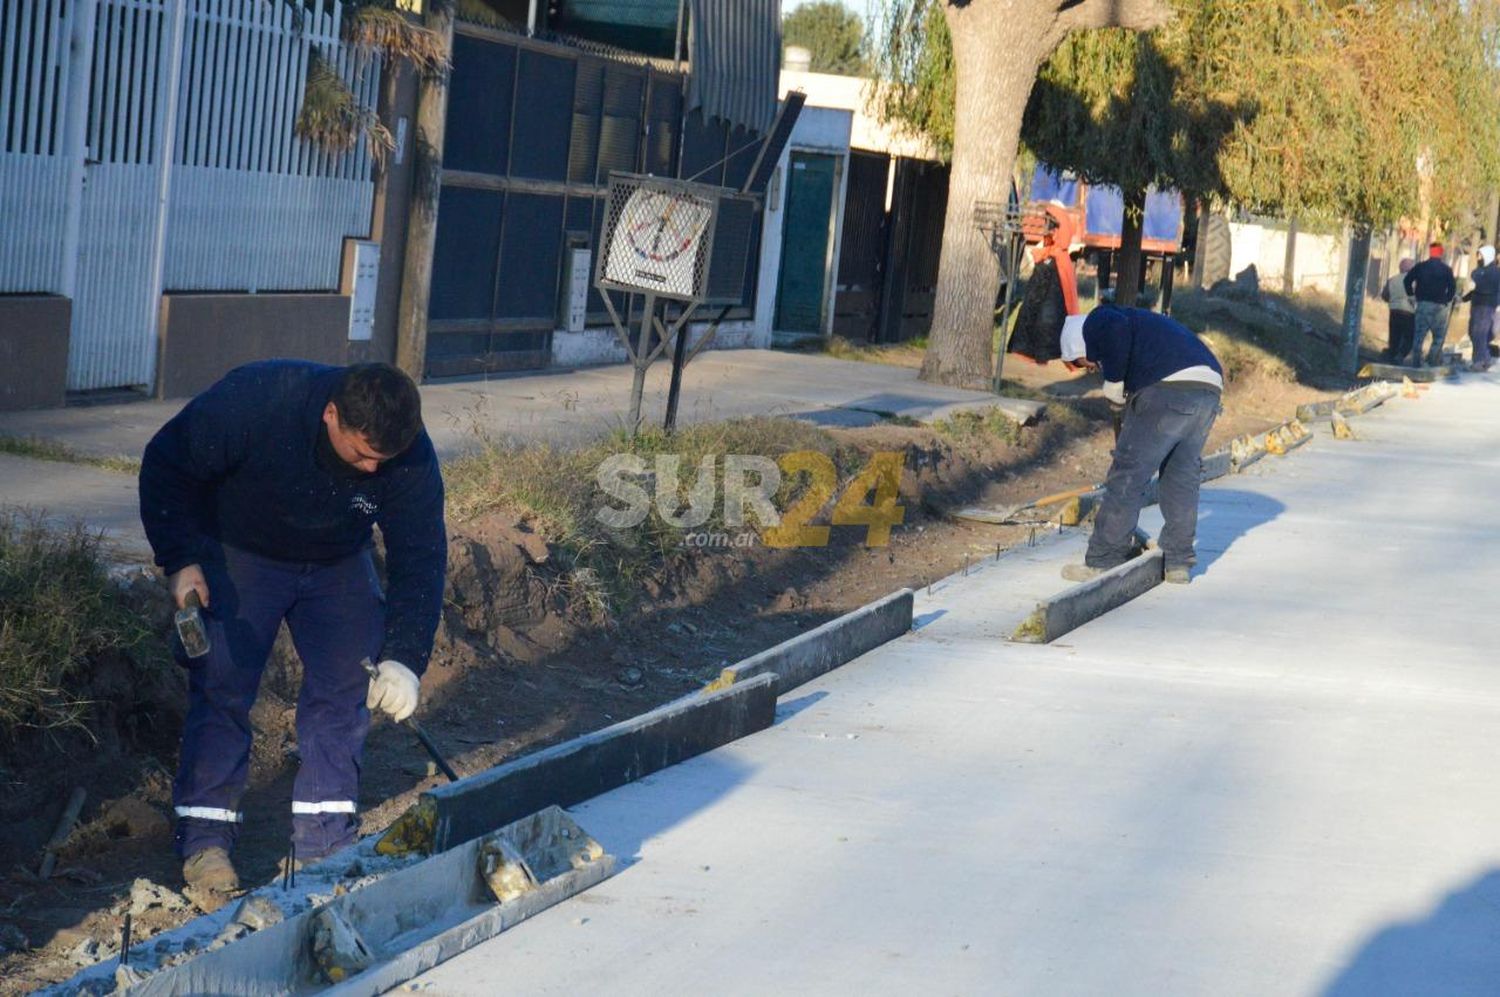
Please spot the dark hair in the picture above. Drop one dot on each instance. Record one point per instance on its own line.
(382, 403)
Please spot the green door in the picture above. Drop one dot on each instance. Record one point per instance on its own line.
(805, 238)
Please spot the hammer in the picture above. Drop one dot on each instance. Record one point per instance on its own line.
(190, 629)
(416, 729)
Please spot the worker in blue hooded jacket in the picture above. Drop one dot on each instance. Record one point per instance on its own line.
(259, 498)
(1168, 383)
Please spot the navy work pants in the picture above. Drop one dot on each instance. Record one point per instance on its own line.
(336, 615)
(1165, 428)
(1481, 331)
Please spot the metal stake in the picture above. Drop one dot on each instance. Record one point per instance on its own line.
(125, 941)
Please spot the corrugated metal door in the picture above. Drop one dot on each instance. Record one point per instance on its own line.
(114, 310)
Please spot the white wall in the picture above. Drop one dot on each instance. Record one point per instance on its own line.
(852, 93)
(823, 130)
(602, 346)
(1319, 263)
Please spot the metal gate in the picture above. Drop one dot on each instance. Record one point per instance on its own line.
(148, 145)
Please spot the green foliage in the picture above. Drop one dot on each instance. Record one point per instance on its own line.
(58, 613)
(1121, 107)
(1318, 109)
(833, 33)
(917, 72)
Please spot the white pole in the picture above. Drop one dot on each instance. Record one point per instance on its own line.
(531, 20)
(76, 136)
(166, 151)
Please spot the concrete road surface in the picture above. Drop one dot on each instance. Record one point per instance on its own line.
(1278, 780)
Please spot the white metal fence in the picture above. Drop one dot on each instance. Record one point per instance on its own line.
(91, 92)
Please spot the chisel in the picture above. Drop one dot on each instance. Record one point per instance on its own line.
(416, 729)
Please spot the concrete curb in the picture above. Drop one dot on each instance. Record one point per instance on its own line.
(431, 908)
(1217, 465)
(1390, 372)
(596, 763)
(805, 657)
(1078, 605)
(410, 920)
(1356, 402)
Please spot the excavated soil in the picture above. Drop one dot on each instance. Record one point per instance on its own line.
(518, 665)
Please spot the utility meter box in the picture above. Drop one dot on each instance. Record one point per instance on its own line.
(361, 279)
(576, 289)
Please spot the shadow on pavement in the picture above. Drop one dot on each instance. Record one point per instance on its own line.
(651, 806)
(1450, 951)
(1227, 514)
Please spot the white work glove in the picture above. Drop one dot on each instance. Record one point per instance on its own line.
(1115, 392)
(395, 690)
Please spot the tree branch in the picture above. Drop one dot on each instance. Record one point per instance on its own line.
(1138, 15)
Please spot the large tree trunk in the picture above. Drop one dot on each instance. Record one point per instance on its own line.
(1128, 290)
(997, 64)
(998, 46)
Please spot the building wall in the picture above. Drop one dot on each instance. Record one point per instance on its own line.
(203, 336)
(33, 351)
(1319, 262)
(852, 94)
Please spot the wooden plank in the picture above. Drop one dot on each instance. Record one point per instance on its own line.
(596, 763)
(819, 651)
(1089, 600)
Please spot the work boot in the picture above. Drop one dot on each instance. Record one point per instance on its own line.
(211, 870)
(1178, 575)
(1080, 572)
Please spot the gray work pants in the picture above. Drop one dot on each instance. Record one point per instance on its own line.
(1434, 317)
(1166, 426)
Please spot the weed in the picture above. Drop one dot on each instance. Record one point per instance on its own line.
(557, 489)
(58, 612)
(36, 448)
(969, 425)
(904, 354)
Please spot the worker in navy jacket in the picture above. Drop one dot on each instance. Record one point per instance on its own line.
(1483, 298)
(260, 496)
(1431, 284)
(1169, 384)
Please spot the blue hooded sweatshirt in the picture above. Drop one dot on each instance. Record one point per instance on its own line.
(248, 464)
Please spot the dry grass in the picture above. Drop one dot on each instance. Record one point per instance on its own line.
(558, 490)
(332, 117)
(58, 613)
(389, 32)
(969, 425)
(907, 354)
(36, 448)
(1287, 339)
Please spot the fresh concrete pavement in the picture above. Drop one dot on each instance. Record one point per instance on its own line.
(1277, 780)
(565, 406)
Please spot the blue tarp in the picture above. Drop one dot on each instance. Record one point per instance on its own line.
(1049, 186)
(1104, 210)
(1104, 214)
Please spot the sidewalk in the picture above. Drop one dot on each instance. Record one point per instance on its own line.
(565, 406)
(1277, 780)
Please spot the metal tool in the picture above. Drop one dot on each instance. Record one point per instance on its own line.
(416, 729)
(190, 629)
